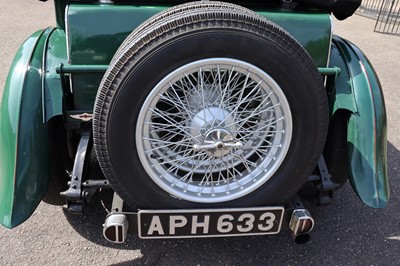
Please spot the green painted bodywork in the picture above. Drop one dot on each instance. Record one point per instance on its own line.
(38, 89)
(93, 41)
(60, 6)
(358, 90)
(24, 140)
(312, 30)
(56, 54)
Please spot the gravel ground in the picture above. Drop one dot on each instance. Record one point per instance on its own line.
(346, 233)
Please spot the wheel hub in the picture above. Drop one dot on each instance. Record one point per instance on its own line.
(207, 119)
(218, 142)
(212, 127)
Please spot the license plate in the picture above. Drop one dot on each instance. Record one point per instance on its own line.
(209, 222)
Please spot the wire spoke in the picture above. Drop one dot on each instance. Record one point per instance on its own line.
(213, 130)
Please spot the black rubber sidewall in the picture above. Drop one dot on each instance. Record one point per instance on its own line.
(274, 58)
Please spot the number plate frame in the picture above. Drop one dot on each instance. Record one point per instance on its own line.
(194, 223)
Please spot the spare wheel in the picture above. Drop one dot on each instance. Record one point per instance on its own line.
(210, 108)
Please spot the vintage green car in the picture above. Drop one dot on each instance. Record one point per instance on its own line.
(204, 118)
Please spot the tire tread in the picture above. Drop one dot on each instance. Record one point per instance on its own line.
(170, 23)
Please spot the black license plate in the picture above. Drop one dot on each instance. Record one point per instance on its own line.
(209, 222)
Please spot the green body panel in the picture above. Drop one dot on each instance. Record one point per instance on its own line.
(59, 6)
(358, 90)
(342, 96)
(55, 54)
(93, 41)
(312, 30)
(24, 142)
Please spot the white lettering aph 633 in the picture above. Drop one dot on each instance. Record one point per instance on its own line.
(206, 224)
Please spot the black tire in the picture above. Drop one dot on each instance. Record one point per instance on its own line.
(336, 152)
(185, 37)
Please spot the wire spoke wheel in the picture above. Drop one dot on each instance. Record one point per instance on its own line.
(209, 105)
(214, 130)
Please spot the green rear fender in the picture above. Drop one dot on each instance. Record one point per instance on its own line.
(24, 142)
(358, 90)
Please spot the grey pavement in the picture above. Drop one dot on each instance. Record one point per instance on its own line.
(346, 232)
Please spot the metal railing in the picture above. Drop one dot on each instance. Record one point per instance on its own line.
(386, 13)
(388, 20)
(370, 8)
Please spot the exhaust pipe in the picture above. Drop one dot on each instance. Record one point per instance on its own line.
(115, 228)
(301, 223)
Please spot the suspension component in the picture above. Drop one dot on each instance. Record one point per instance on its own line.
(80, 193)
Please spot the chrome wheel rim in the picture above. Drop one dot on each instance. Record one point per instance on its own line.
(213, 130)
